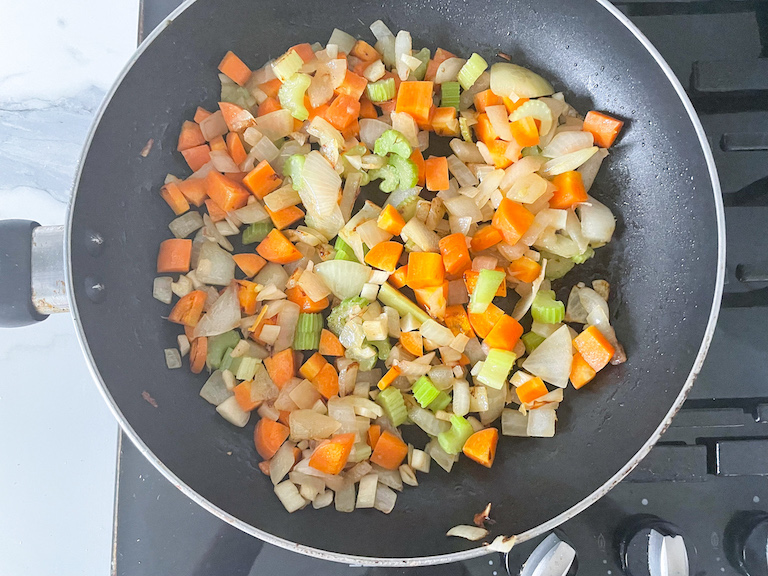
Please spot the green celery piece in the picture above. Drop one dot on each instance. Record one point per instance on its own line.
(291, 95)
(530, 151)
(357, 150)
(391, 401)
(392, 141)
(466, 132)
(381, 90)
(546, 309)
(471, 71)
(557, 266)
(407, 171)
(218, 345)
(496, 367)
(229, 363)
(287, 65)
(531, 341)
(422, 55)
(257, 231)
(389, 178)
(584, 256)
(452, 441)
(234, 94)
(383, 348)
(424, 391)
(339, 315)
(407, 207)
(488, 282)
(393, 298)
(292, 168)
(343, 250)
(449, 94)
(308, 328)
(440, 402)
(365, 363)
(247, 368)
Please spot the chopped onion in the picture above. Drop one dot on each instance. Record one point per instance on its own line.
(272, 274)
(590, 168)
(289, 496)
(568, 142)
(528, 189)
(406, 125)
(473, 533)
(597, 221)
(464, 207)
(212, 232)
(512, 252)
(183, 343)
(344, 278)
(537, 110)
(222, 317)
(551, 360)
(322, 500)
(161, 289)
(172, 358)
(488, 184)
(370, 130)
(185, 224)
(275, 125)
(375, 71)
(223, 162)
(427, 421)
(403, 45)
(371, 234)
(541, 422)
(461, 397)
(320, 186)
(264, 149)
(573, 229)
(466, 152)
(517, 82)
(281, 463)
(567, 162)
(366, 493)
(521, 168)
(287, 319)
(503, 544)
(313, 286)
(463, 174)
(389, 478)
(514, 423)
(213, 126)
(448, 70)
(437, 333)
(415, 231)
(497, 114)
(527, 297)
(320, 89)
(547, 218)
(467, 96)
(250, 213)
(231, 412)
(344, 41)
(496, 399)
(440, 456)
(308, 425)
(407, 475)
(385, 499)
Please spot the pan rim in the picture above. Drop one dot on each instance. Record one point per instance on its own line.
(441, 558)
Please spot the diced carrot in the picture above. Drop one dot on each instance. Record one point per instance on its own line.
(198, 352)
(481, 446)
(278, 249)
(436, 173)
(570, 190)
(189, 308)
(264, 467)
(484, 323)
(189, 332)
(197, 157)
(243, 397)
(455, 254)
(305, 51)
(298, 296)
(367, 109)
(384, 256)
(357, 66)
(457, 321)
(174, 198)
(418, 159)
(217, 143)
(531, 390)
(331, 456)
(603, 127)
(235, 148)
(439, 57)
(234, 69)
(498, 152)
(470, 281)
(190, 136)
(390, 220)
(512, 220)
(327, 381)
(319, 111)
(285, 417)
(505, 334)
(311, 368)
(425, 269)
(364, 51)
(268, 436)
(581, 372)
(594, 348)
(285, 217)
(525, 269)
(194, 190)
(415, 98)
(413, 342)
(486, 98)
(246, 293)
(236, 117)
(342, 111)
(269, 105)
(353, 85)
(229, 195)
(351, 131)
(444, 121)
(216, 213)
(201, 114)
(250, 264)
(433, 299)
(374, 432)
(175, 255)
(388, 378)
(262, 180)
(399, 277)
(329, 344)
(281, 367)
(524, 131)
(484, 129)
(390, 451)
(485, 237)
(271, 87)
(512, 106)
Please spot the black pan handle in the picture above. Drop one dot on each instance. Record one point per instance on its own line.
(31, 272)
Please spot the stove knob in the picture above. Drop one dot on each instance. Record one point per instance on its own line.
(650, 546)
(552, 557)
(746, 543)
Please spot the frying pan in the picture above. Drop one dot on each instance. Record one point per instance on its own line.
(665, 268)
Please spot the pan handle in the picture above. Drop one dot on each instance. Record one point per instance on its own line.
(32, 272)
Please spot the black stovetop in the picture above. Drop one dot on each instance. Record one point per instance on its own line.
(708, 472)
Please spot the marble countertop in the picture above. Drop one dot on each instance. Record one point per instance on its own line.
(57, 437)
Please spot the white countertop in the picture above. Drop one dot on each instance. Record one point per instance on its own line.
(57, 437)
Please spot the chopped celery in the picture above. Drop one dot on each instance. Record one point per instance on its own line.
(531, 151)
(422, 55)
(383, 348)
(471, 71)
(229, 363)
(466, 133)
(291, 95)
(381, 91)
(339, 315)
(292, 168)
(287, 65)
(307, 336)
(557, 266)
(234, 94)
(257, 231)
(584, 256)
(440, 402)
(407, 171)
(391, 401)
(488, 282)
(365, 356)
(218, 345)
(449, 95)
(357, 150)
(531, 341)
(247, 368)
(407, 207)
(343, 250)
(392, 141)
(424, 391)
(546, 309)
(496, 367)
(452, 441)
(391, 297)
(389, 178)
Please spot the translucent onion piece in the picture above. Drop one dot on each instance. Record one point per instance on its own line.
(464, 207)
(371, 234)
(223, 162)
(338, 70)
(344, 278)
(275, 125)
(308, 425)
(230, 410)
(597, 221)
(380, 30)
(568, 162)
(427, 421)
(514, 423)
(448, 70)
(289, 496)
(313, 286)
(527, 189)
(370, 130)
(498, 117)
(473, 533)
(161, 289)
(321, 88)
(423, 237)
(406, 125)
(463, 175)
(465, 151)
(541, 422)
(281, 463)
(253, 212)
(385, 499)
(591, 167)
(512, 80)
(573, 229)
(551, 361)
(320, 186)
(213, 126)
(537, 110)
(287, 319)
(185, 224)
(215, 266)
(567, 142)
(403, 45)
(461, 397)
